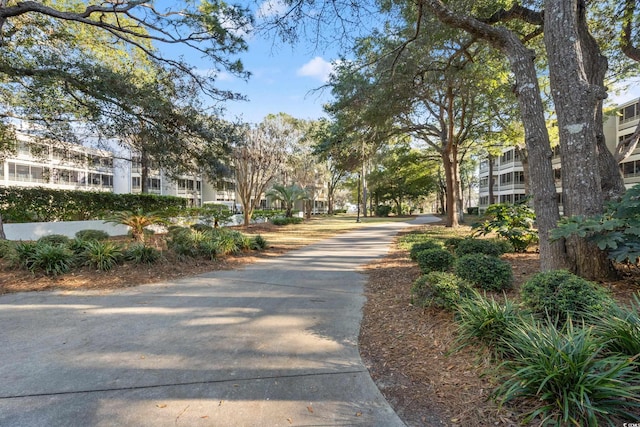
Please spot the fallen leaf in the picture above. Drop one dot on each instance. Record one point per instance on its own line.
(161, 405)
(310, 409)
(204, 416)
(290, 420)
(358, 414)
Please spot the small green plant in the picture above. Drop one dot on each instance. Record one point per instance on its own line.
(486, 321)
(286, 220)
(615, 231)
(434, 260)
(92, 235)
(439, 289)
(55, 239)
(452, 243)
(7, 248)
(484, 271)
(513, 222)
(618, 329)
(568, 373)
(102, 256)
(258, 243)
(481, 246)
(140, 253)
(51, 259)
(421, 246)
(137, 221)
(559, 293)
(78, 246)
(24, 253)
(228, 243)
(383, 210)
(201, 227)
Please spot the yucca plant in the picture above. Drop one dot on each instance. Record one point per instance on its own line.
(137, 222)
(568, 372)
(102, 255)
(486, 321)
(140, 253)
(51, 259)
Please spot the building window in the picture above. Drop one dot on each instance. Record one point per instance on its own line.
(484, 200)
(135, 182)
(507, 157)
(629, 113)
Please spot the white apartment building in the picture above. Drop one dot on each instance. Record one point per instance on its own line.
(508, 175)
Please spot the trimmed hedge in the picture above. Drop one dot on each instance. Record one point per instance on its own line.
(44, 205)
(421, 246)
(439, 289)
(484, 271)
(434, 260)
(482, 246)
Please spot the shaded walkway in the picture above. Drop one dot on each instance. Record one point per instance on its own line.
(271, 344)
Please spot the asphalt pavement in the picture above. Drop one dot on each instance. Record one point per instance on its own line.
(272, 344)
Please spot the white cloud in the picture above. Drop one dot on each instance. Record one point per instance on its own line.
(270, 8)
(317, 68)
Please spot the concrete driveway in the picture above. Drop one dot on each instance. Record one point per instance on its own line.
(272, 344)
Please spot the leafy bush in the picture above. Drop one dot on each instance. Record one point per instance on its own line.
(258, 243)
(78, 246)
(434, 260)
(617, 230)
(55, 239)
(481, 246)
(568, 373)
(452, 243)
(228, 243)
(383, 210)
(473, 210)
(92, 235)
(483, 320)
(286, 220)
(421, 246)
(559, 293)
(439, 289)
(484, 271)
(191, 243)
(201, 227)
(618, 329)
(7, 248)
(103, 256)
(24, 254)
(513, 222)
(51, 259)
(140, 253)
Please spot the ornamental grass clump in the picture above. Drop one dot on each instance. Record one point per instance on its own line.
(558, 294)
(569, 374)
(139, 253)
(484, 271)
(439, 289)
(50, 259)
(102, 256)
(618, 329)
(434, 260)
(258, 243)
(484, 320)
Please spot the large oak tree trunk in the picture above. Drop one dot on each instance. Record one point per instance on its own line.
(577, 102)
(452, 196)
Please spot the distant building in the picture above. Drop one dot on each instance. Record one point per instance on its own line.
(508, 173)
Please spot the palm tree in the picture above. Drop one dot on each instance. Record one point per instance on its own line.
(136, 221)
(288, 195)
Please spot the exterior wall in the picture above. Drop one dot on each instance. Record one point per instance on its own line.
(35, 230)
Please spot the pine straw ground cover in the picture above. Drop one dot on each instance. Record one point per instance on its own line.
(409, 350)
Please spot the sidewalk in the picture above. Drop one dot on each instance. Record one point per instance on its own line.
(272, 344)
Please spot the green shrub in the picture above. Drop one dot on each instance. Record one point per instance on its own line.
(78, 246)
(483, 320)
(190, 243)
(383, 210)
(140, 253)
(484, 271)
(103, 256)
(513, 222)
(54, 239)
(452, 243)
(92, 235)
(480, 246)
(201, 227)
(618, 329)
(228, 243)
(24, 253)
(7, 248)
(439, 289)
(421, 246)
(567, 372)
(286, 220)
(258, 243)
(51, 259)
(434, 260)
(559, 293)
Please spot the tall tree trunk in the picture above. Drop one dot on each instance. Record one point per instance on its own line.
(577, 102)
(521, 60)
(144, 171)
(452, 190)
(3, 236)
